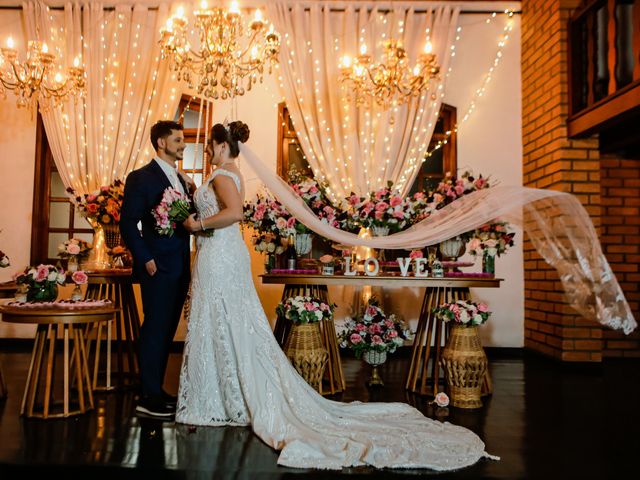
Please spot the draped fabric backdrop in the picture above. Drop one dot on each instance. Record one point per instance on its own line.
(105, 135)
(351, 148)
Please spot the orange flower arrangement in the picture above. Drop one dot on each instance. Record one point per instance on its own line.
(103, 206)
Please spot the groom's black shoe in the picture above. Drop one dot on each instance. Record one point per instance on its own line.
(170, 400)
(154, 407)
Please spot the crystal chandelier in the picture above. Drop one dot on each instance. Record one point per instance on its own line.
(37, 80)
(224, 62)
(391, 82)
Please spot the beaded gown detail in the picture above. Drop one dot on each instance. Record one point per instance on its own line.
(235, 373)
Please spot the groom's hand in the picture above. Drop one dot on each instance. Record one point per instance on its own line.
(151, 267)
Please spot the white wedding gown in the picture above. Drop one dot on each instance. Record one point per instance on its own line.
(235, 373)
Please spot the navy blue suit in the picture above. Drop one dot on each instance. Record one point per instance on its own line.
(163, 294)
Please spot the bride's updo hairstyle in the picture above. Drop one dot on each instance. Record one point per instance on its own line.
(232, 134)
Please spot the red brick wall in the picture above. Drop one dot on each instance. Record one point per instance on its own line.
(552, 161)
(620, 193)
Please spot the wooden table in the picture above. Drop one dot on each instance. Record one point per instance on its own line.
(117, 286)
(424, 374)
(7, 290)
(54, 323)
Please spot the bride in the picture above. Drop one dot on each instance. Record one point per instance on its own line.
(235, 373)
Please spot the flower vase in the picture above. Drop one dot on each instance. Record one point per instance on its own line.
(306, 352)
(72, 264)
(76, 294)
(488, 263)
(375, 359)
(465, 364)
(380, 232)
(43, 292)
(452, 248)
(303, 243)
(98, 256)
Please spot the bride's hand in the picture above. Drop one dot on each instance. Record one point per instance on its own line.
(191, 224)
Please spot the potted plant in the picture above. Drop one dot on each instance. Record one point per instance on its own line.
(79, 278)
(74, 250)
(463, 358)
(304, 345)
(372, 335)
(41, 282)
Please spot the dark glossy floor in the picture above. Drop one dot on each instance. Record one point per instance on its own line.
(544, 419)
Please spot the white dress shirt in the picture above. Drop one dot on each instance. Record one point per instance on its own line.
(171, 173)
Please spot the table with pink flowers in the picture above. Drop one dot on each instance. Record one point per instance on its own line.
(424, 376)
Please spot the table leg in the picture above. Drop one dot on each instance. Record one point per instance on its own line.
(3, 385)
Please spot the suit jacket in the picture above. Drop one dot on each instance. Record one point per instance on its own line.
(142, 192)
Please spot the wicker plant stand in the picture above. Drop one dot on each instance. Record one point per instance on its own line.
(465, 365)
(307, 354)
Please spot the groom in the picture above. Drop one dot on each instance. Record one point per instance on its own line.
(161, 263)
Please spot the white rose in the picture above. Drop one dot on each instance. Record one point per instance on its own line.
(53, 277)
(61, 278)
(464, 316)
(271, 247)
(263, 246)
(279, 250)
(318, 314)
(477, 319)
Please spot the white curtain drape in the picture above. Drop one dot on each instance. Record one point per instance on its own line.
(356, 148)
(556, 222)
(105, 135)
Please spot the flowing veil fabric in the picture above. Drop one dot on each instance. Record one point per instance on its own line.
(556, 222)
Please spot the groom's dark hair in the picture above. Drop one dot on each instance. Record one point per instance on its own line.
(163, 129)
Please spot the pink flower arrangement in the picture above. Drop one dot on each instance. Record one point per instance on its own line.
(74, 247)
(383, 208)
(174, 208)
(441, 400)
(304, 309)
(373, 330)
(492, 239)
(463, 312)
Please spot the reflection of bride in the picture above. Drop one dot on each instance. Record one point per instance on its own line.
(234, 372)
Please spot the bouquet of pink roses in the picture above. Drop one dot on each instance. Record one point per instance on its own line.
(463, 312)
(301, 310)
(174, 208)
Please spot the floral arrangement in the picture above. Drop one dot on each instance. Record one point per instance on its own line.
(301, 310)
(40, 283)
(492, 239)
(451, 188)
(463, 312)
(4, 260)
(267, 242)
(74, 247)
(373, 330)
(174, 208)
(104, 206)
(384, 208)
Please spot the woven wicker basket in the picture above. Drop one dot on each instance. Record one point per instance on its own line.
(307, 354)
(464, 363)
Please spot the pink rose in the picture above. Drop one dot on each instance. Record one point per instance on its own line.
(377, 340)
(415, 254)
(291, 222)
(442, 400)
(73, 249)
(382, 206)
(42, 273)
(392, 334)
(79, 277)
(355, 338)
(398, 214)
(395, 201)
(479, 183)
(388, 323)
(483, 307)
(360, 327)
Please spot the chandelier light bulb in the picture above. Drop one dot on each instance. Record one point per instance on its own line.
(180, 12)
(76, 62)
(45, 48)
(234, 8)
(428, 47)
(10, 43)
(204, 5)
(58, 78)
(258, 15)
(346, 61)
(363, 49)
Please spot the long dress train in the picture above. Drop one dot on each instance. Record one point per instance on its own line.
(235, 373)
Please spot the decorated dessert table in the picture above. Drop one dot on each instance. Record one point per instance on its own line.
(424, 376)
(57, 320)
